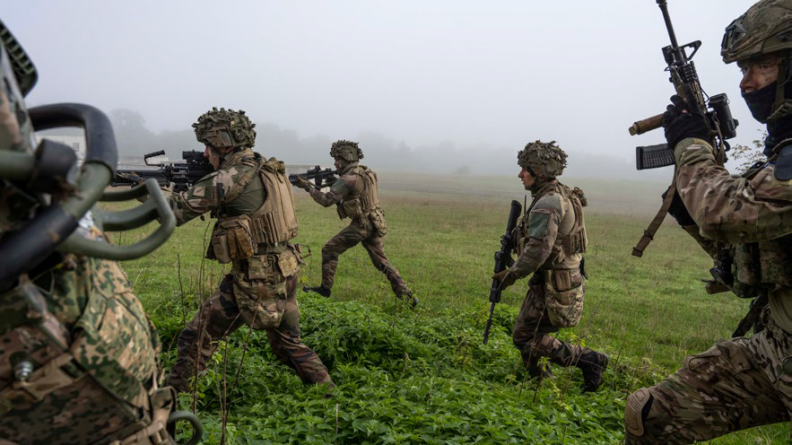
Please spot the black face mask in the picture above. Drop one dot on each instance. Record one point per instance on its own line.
(760, 102)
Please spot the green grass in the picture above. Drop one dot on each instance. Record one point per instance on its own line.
(422, 376)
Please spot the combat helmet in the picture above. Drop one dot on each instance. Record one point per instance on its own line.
(765, 28)
(346, 150)
(225, 129)
(543, 158)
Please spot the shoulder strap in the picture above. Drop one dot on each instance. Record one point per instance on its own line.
(241, 184)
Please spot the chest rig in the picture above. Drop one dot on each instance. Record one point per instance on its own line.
(268, 227)
(363, 200)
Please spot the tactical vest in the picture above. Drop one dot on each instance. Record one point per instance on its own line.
(361, 202)
(759, 267)
(271, 225)
(571, 243)
(78, 360)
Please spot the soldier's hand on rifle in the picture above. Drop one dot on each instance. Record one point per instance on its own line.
(505, 278)
(681, 123)
(304, 184)
(678, 210)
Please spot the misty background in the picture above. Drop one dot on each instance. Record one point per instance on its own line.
(446, 86)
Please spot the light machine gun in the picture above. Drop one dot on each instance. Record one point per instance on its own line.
(321, 178)
(501, 256)
(715, 108)
(179, 176)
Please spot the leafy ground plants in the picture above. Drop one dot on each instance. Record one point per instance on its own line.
(423, 376)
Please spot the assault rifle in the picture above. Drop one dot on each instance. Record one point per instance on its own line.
(716, 109)
(321, 178)
(501, 256)
(181, 176)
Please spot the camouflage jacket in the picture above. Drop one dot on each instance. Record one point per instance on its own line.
(209, 193)
(729, 208)
(543, 235)
(347, 185)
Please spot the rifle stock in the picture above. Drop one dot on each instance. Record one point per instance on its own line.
(507, 246)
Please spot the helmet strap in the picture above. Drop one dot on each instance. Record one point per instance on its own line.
(783, 105)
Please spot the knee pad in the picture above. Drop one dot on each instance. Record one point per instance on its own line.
(637, 410)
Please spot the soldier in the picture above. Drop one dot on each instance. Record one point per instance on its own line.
(550, 241)
(252, 201)
(357, 197)
(742, 382)
(79, 357)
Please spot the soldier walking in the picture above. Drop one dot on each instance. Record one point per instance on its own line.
(252, 201)
(357, 197)
(743, 382)
(550, 241)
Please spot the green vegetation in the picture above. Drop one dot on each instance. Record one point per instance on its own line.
(423, 376)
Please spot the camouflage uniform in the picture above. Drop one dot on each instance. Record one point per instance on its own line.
(550, 241)
(260, 291)
(742, 382)
(357, 197)
(78, 362)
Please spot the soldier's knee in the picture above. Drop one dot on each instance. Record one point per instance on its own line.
(636, 414)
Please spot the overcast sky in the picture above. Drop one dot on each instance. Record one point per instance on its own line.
(488, 74)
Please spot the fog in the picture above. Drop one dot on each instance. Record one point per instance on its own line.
(446, 86)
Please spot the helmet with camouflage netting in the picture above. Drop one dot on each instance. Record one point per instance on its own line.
(765, 28)
(543, 158)
(225, 129)
(346, 150)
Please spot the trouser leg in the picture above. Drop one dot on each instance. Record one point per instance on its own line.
(219, 317)
(376, 250)
(287, 344)
(532, 332)
(734, 385)
(346, 239)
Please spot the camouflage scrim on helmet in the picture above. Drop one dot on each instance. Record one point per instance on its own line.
(225, 128)
(544, 158)
(346, 150)
(765, 28)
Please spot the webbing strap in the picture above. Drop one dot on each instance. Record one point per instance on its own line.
(650, 231)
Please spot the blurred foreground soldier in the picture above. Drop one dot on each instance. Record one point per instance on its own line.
(357, 197)
(78, 363)
(252, 201)
(550, 241)
(743, 382)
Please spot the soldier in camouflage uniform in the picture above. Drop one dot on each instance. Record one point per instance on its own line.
(550, 241)
(357, 197)
(252, 201)
(78, 362)
(742, 382)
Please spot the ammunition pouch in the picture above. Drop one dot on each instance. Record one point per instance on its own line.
(352, 209)
(232, 240)
(260, 290)
(377, 217)
(564, 291)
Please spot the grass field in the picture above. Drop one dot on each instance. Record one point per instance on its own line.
(422, 376)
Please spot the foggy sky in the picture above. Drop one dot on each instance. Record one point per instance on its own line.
(478, 76)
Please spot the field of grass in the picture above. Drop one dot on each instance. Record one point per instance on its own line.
(423, 376)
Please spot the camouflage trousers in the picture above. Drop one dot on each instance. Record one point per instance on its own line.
(349, 237)
(532, 329)
(737, 384)
(220, 316)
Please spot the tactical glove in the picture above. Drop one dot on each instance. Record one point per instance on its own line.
(681, 123)
(304, 184)
(679, 211)
(506, 278)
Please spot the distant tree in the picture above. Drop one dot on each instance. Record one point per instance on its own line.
(748, 155)
(462, 170)
(133, 136)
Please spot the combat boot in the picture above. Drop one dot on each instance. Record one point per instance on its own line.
(412, 298)
(593, 365)
(321, 290)
(540, 372)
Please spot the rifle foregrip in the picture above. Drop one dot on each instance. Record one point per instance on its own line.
(646, 125)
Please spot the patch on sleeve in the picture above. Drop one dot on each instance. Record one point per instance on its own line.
(199, 191)
(783, 164)
(537, 223)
